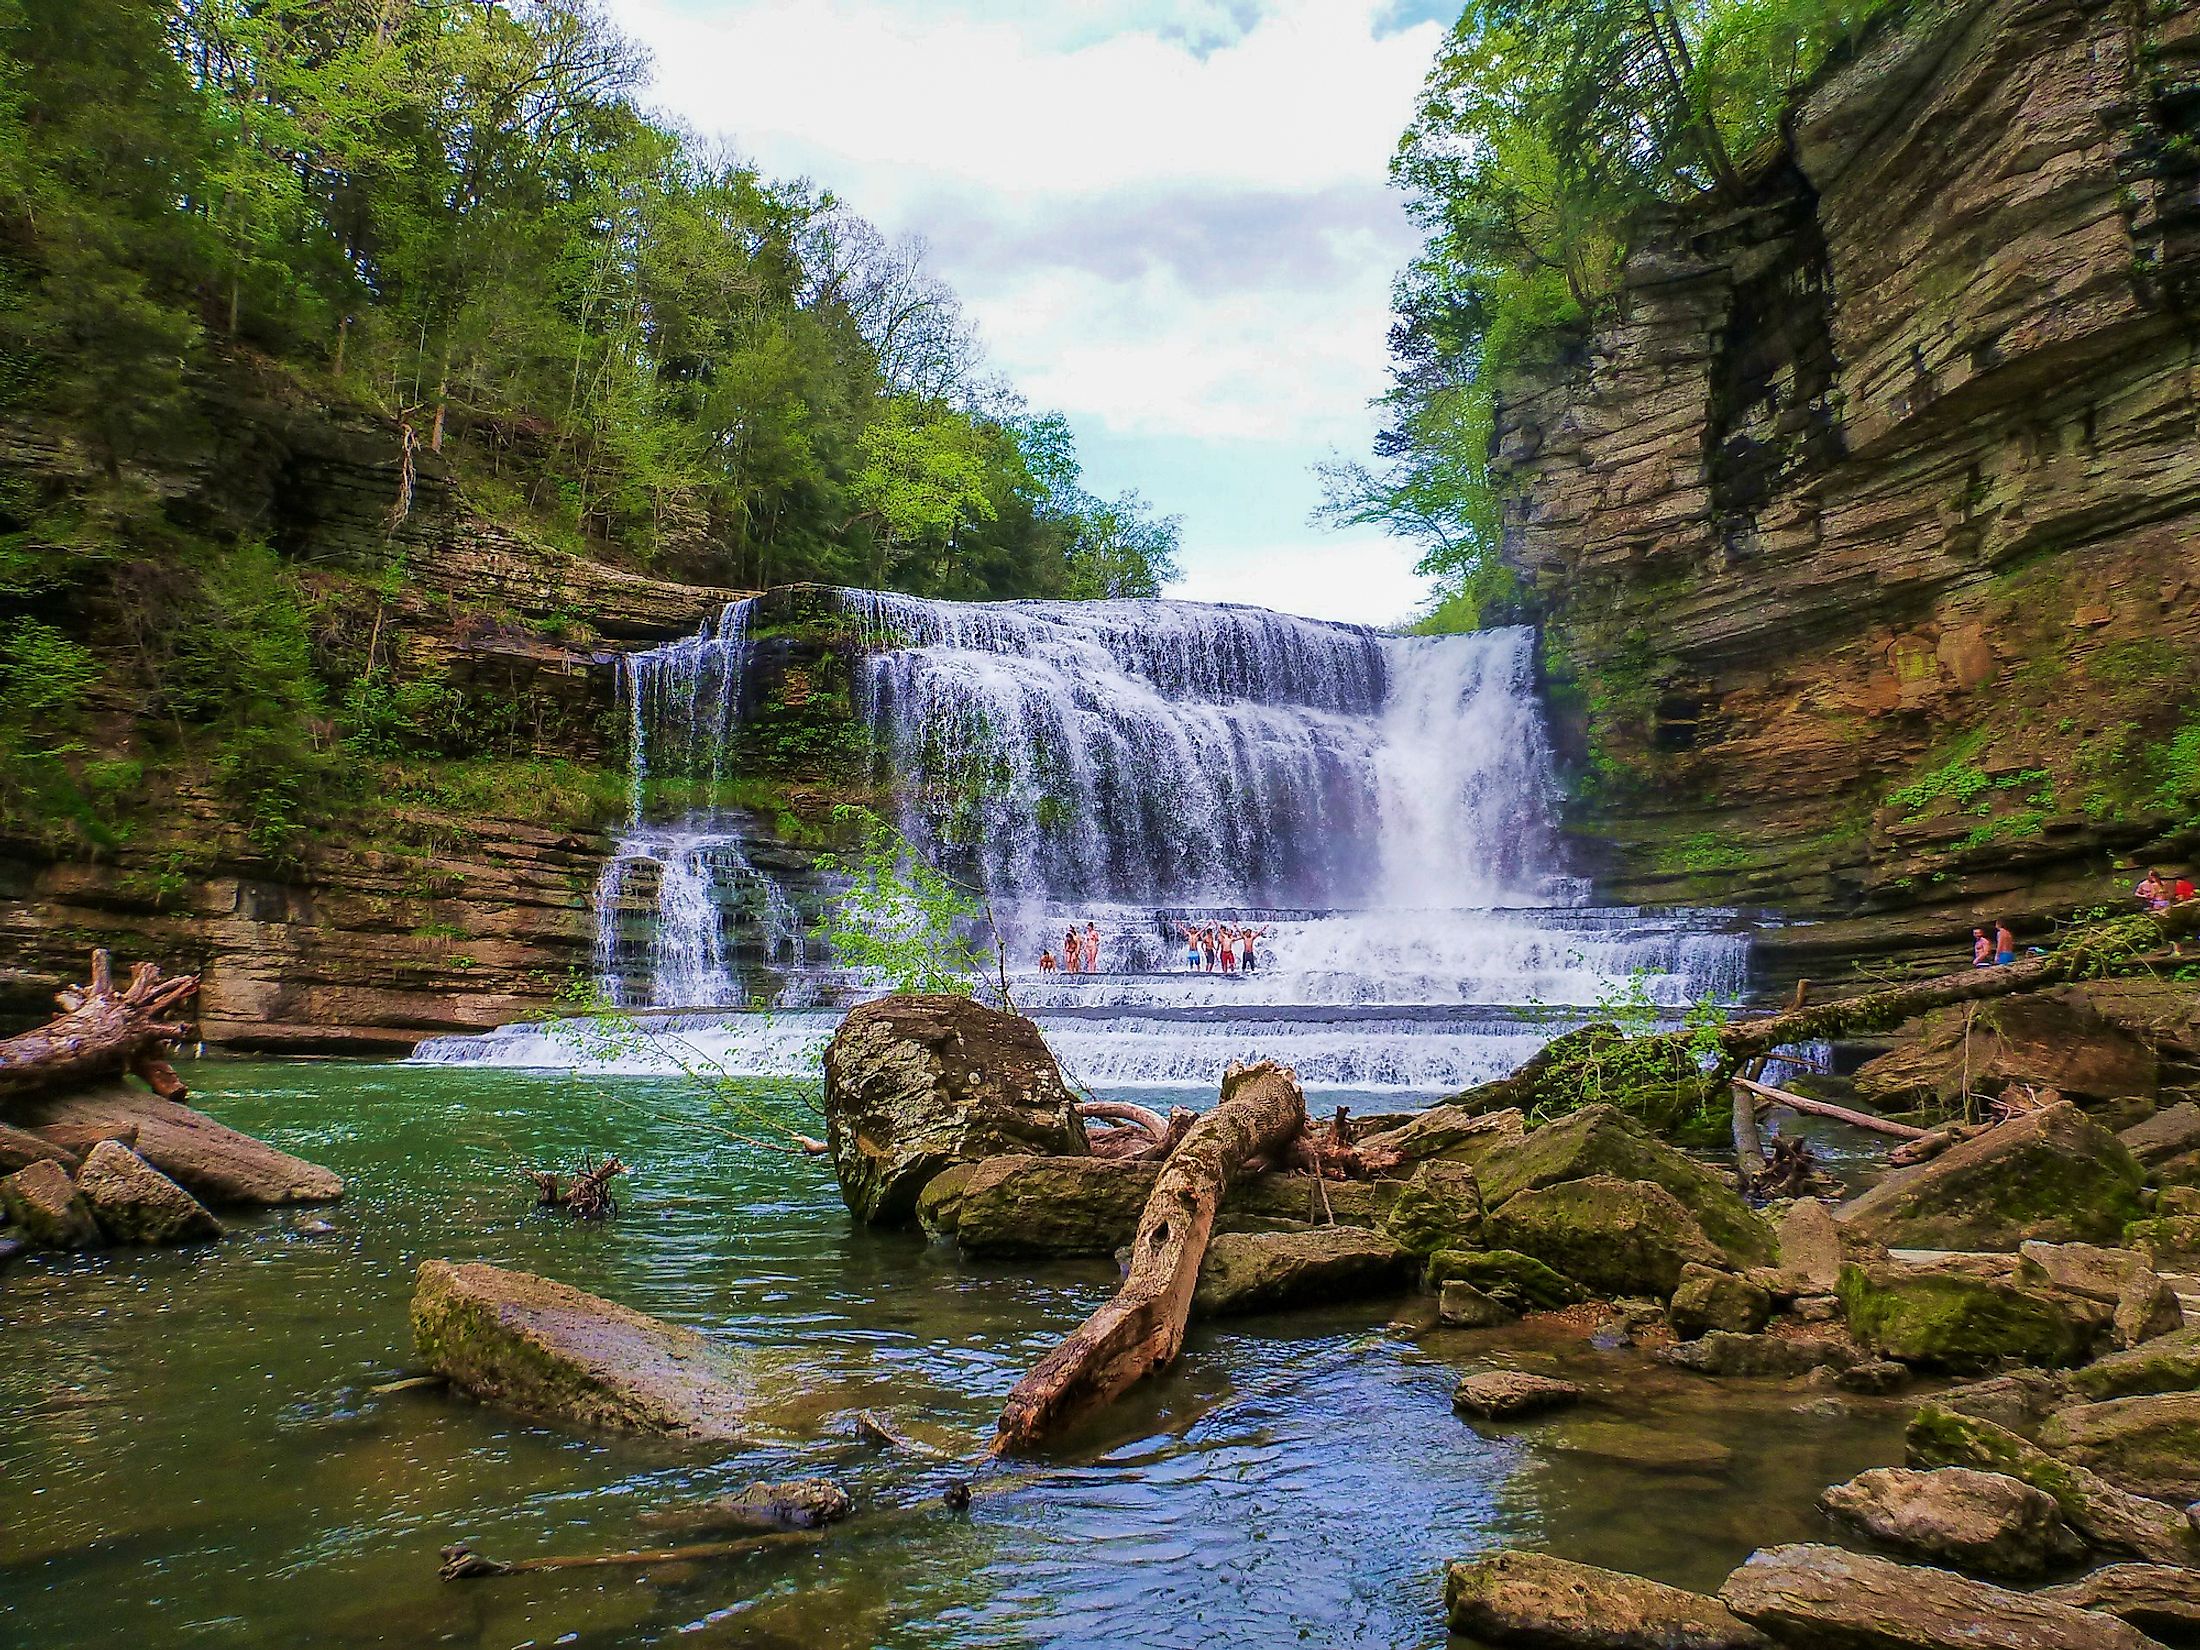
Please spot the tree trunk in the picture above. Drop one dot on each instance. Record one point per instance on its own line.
(1142, 1327)
(102, 1032)
(1751, 1092)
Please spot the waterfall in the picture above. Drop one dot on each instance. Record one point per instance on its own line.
(1380, 807)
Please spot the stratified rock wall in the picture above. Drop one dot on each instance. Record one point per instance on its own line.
(1890, 478)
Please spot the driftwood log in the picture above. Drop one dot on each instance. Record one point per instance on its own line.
(102, 1032)
(1141, 1328)
(1766, 1093)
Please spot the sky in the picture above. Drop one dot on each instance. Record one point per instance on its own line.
(1170, 222)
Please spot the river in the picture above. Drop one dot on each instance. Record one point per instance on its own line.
(194, 1456)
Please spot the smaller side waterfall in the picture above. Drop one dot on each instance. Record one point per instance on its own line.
(682, 701)
(682, 886)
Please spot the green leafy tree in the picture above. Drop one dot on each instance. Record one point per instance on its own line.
(900, 921)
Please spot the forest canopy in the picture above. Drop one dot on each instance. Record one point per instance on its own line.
(1543, 131)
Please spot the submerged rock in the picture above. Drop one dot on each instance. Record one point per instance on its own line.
(547, 1349)
(1822, 1596)
(1650, 1447)
(1498, 1394)
(1600, 1141)
(2161, 1599)
(1462, 1306)
(2149, 1444)
(214, 1164)
(45, 1203)
(2053, 1174)
(1519, 1281)
(1439, 1208)
(1948, 1317)
(797, 1504)
(1707, 1298)
(1723, 1352)
(916, 1082)
(2105, 1515)
(1981, 1522)
(1262, 1271)
(135, 1203)
(1618, 1237)
(1545, 1603)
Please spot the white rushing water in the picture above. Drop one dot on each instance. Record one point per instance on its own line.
(1380, 807)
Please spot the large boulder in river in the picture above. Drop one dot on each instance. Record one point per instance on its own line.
(1835, 1600)
(916, 1082)
(135, 1203)
(2053, 1174)
(1518, 1281)
(44, 1201)
(547, 1349)
(2034, 1039)
(1038, 1205)
(1983, 1523)
(2149, 1444)
(1263, 1271)
(1439, 1208)
(1618, 1237)
(1598, 1140)
(1957, 1317)
(1540, 1602)
(216, 1165)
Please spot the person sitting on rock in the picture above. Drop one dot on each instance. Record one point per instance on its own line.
(1982, 949)
(2005, 945)
(2152, 892)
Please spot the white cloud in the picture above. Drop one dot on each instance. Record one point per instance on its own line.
(1170, 221)
(1359, 578)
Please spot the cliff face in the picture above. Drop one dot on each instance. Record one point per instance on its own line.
(1867, 526)
(455, 903)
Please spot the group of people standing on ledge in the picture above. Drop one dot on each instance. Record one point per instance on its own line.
(2154, 892)
(1080, 952)
(1217, 948)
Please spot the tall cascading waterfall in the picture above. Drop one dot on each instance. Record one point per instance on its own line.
(1380, 807)
(681, 702)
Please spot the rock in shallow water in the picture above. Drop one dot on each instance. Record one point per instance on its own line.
(2148, 1444)
(1462, 1306)
(1638, 1444)
(1980, 1522)
(1618, 1237)
(45, 1203)
(548, 1349)
(135, 1203)
(916, 1082)
(1496, 1394)
(1723, 1352)
(1262, 1271)
(1707, 1298)
(1519, 1281)
(216, 1165)
(1951, 1317)
(2161, 1599)
(1544, 1603)
(1833, 1600)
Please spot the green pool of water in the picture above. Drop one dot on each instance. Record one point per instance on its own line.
(192, 1454)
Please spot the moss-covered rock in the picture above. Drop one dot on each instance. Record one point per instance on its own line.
(2170, 1363)
(1956, 1319)
(2148, 1444)
(1598, 1140)
(545, 1348)
(2039, 1039)
(1265, 1271)
(44, 1202)
(1617, 1237)
(2105, 1515)
(1707, 1298)
(1041, 1205)
(2054, 1174)
(1533, 1599)
(1461, 1305)
(135, 1203)
(1519, 1281)
(1451, 1133)
(1439, 1208)
(2171, 1243)
(916, 1082)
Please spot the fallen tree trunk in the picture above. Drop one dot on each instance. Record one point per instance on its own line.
(101, 1032)
(1142, 1327)
(1825, 1108)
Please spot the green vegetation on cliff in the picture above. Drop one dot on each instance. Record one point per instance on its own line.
(1547, 133)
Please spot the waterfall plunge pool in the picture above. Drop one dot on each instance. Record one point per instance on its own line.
(195, 1458)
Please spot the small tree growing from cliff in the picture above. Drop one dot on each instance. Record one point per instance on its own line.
(900, 920)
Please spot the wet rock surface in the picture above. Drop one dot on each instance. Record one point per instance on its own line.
(1952, 1318)
(2148, 1444)
(1979, 1522)
(1264, 1271)
(1460, 1305)
(914, 1083)
(1616, 1237)
(547, 1349)
(43, 1201)
(213, 1163)
(1498, 1394)
(1725, 1352)
(2054, 1175)
(1823, 1597)
(1707, 1298)
(135, 1203)
(1544, 1603)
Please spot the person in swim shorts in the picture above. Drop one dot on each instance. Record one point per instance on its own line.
(2005, 945)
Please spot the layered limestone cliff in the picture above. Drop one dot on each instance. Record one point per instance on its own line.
(1866, 525)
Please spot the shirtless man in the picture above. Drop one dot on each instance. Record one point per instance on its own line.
(1191, 946)
(1246, 938)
